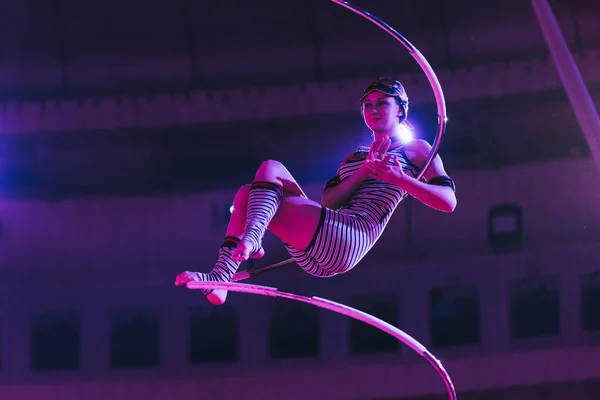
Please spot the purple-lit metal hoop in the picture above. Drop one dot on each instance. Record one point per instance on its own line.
(441, 110)
(340, 309)
(433, 80)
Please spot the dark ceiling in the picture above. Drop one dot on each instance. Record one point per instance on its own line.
(73, 49)
(56, 48)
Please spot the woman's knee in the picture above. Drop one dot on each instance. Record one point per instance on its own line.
(241, 196)
(273, 171)
(271, 166)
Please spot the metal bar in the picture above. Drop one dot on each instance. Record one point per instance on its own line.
(249, 273)
(581, 101)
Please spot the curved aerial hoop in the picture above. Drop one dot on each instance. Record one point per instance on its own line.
(422, 61)
(337, 307)
(340, 309)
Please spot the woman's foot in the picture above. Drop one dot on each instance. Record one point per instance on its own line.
(246, 250)
(215, 296)
(259, 254)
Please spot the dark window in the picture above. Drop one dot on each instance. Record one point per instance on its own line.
(365, 338)
(213, 335)
(133, 338)
(505, 227)
(590, 302)
(534, 307)
(454, 316)
(55, 341)
(294, 330)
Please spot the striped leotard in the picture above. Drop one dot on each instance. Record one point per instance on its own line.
(345, 235)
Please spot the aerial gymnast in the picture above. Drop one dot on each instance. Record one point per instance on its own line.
(332, 236)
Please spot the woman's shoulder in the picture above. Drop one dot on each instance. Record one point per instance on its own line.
(416, 150)
(357, 155)
(418, 145)
(361, 151)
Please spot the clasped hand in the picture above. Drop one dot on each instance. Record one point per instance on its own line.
(377, 164)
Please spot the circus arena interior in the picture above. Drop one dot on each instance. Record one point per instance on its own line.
(127, 128)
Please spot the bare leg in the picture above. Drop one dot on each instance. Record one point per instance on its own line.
(286, 212)
(290, 216)
(237, 220)
(225, 267)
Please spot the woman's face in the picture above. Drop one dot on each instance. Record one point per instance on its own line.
(381, 112)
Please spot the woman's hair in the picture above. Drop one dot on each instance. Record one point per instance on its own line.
(389, 87)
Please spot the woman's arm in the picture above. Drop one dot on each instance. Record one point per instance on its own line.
(441, 198)
(438, 195)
